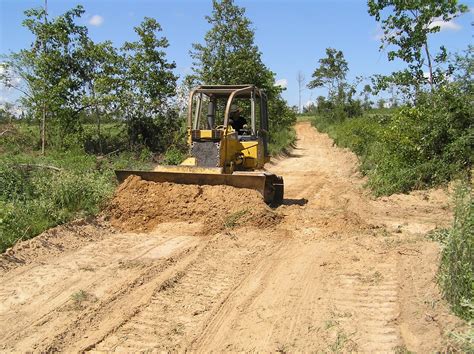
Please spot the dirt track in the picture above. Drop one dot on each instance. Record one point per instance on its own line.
(341, 271)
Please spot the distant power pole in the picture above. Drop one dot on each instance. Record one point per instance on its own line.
(300, 78)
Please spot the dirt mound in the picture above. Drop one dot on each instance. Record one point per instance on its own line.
(140, 205)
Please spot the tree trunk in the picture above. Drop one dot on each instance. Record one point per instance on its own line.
(43, 120)
(96, 108)
(430, 66)
(43, 127)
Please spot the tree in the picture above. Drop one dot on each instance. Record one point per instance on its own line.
(146, 88)
(7, 112)
(301, 79)
(464, 64)
(381, 103)
(366, 92)
(406, 24)
(229, 56)
(100, 70)
(50, 71)
(331, 73)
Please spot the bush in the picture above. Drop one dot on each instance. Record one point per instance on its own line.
(413, 147)
(456, 271)
(173, 156)
(281, 140)
(34, 198)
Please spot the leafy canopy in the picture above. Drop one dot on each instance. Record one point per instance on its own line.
(230, 56)
(331, 72)
(406, 25)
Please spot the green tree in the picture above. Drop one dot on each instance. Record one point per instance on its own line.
(50, 71)
(100, 70)
(366, 92)
(464, 64)
(331, 73)
(229, 56)
(381, 103)
(146, 88)
(406, 24)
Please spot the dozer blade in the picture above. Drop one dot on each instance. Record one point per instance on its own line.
(269, 185)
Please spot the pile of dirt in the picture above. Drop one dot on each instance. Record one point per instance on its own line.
(140, 205)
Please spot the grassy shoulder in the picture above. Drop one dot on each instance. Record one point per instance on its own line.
(281, 141)
(410, 147)
(456, 270)
(39, 192)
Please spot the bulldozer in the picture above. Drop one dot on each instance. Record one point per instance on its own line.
(224, 147)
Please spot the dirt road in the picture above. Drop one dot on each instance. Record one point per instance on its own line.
(341, 271)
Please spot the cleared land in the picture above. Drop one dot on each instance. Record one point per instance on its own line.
(331, 269)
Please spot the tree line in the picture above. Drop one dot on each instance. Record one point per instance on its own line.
(68, 80)
(406, 27)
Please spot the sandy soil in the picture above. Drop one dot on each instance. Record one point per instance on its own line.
(338, 271)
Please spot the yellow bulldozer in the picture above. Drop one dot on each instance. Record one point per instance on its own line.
(224, 147)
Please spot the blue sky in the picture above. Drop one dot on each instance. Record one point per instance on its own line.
(292, 35)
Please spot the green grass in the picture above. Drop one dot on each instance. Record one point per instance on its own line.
(456, 270)
(232, 220)
(410, 147)
(39, 192)
(281, 141)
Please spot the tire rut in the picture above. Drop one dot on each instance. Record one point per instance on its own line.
(173, 317)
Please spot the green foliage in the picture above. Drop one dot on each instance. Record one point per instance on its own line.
(50, 69)
(425, 145)
(230, 56)
(331, 72)
(146, 89)
(281, 140)
(406, 25)
(456, 271)
(174, 156)
(412, 147)
(35, 197)
(67, 80)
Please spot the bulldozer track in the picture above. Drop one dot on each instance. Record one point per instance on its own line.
(342, 271)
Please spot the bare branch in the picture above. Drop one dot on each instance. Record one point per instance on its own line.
(31, 166)
(5, 131)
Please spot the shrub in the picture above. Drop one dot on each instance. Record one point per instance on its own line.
(456, 271)
(35, 198)
(281, 140)
(173, 156)
(413, 147)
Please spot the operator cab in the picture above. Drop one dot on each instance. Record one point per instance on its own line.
(222, 109)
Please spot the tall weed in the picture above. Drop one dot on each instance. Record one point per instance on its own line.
(456, 270)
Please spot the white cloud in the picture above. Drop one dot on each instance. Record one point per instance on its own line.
(445, 25)
(283, 83)
(96, 20)
(309, 104)
(11, 79)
